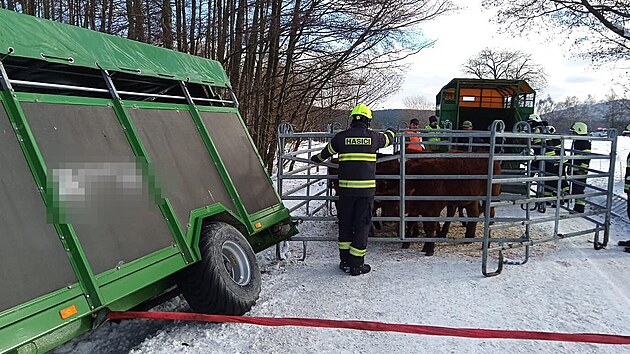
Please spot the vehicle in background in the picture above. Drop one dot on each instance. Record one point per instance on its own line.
(601, 132)
(484, 101)
(481, 102)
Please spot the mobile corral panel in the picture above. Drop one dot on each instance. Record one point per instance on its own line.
(125, 171)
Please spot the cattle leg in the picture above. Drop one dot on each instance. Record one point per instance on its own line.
(473, 211)
(430, 228)
(450, 212)
(461, 215)
(413, 231)
(376, 225)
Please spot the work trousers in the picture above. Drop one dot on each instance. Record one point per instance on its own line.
(355, 217)
(578, 188)
(553, 169)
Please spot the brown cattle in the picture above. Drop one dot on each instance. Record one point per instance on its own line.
(441, 187)
(382, 168)
(434, 187)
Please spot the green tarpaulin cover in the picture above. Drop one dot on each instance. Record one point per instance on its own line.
(32, 37)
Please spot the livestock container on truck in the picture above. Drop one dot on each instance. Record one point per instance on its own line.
(126, 171)
(483, 101)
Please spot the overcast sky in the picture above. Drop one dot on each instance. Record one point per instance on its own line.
(465, 33)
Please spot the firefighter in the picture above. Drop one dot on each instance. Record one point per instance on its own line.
(415, 142)
(468, 143)
(433, 125)
(552, 168)
(536, 125)
(579, 166)
(357, 148)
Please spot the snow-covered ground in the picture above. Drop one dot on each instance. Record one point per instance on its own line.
(566, 286)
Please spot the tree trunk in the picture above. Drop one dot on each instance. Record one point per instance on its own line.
(184, 28)
(193, 20)
(102, 25)
(178, 24)
(167, 26)
(131, 20)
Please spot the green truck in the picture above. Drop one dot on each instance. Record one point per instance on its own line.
(126, 174)
(483, 101)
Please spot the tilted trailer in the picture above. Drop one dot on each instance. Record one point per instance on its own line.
(126, 173)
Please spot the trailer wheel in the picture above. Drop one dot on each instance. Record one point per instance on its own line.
(227, 279)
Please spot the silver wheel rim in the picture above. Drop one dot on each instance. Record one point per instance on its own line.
(236, 263)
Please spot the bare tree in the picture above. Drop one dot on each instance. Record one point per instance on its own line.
(418, 102)
(600, 29)
(288, 60)
(545, 105)
(503, 64)
(617, 111)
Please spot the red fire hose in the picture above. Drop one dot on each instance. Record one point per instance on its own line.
(379, 327)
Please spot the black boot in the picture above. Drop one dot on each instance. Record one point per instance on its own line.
(344, 265)
(625, 243)
(578, 208)
(357, 267)
(627, 249)
(365, 268)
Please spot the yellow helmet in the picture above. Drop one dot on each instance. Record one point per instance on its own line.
(579, 128)
(361, 110)
(534, 118)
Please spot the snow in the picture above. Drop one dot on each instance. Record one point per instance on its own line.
(566, 286)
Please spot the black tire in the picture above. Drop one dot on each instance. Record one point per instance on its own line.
(227, 279)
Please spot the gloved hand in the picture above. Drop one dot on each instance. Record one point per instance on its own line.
(315, 159)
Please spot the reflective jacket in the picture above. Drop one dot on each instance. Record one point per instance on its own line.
(431, 147)
(357, 148)
(415, 142)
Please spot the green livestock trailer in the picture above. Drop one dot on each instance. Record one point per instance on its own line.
(483, 101)
(126, 174)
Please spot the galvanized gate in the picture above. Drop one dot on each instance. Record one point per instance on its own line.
(529, 185)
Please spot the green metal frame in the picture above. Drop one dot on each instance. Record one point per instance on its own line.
(36, 325)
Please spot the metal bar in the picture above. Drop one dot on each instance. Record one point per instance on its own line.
(308, 181)
(402, 227)
(57, 86)
(235, 103)
(320, 207)
(301, 169)
(611, 182)
(496, 126)
(92, 89)
(302, 151)
(507, 246)
(280, 165)
(315, 196)
(561, 173)
(300, 187)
